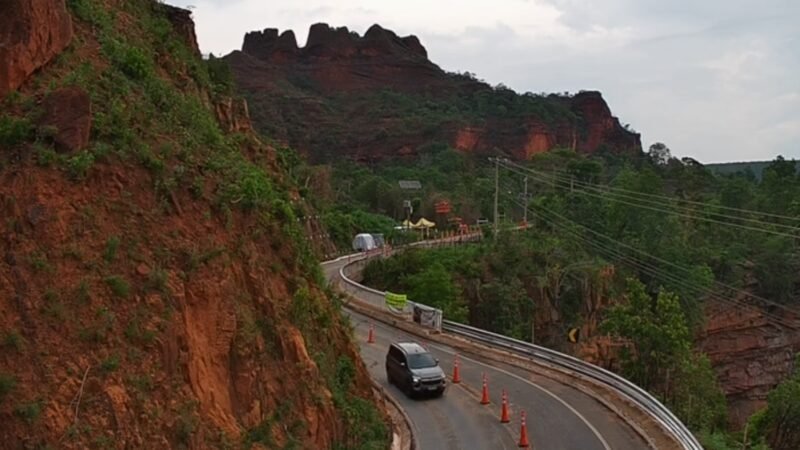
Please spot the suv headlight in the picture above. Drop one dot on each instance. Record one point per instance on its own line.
(415, 380)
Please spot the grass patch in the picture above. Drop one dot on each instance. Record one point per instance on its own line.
(186, 423)
(53, 306)
(7, 384)
(118, 285)
(14, 130)
(136, 333)
(13, 340)
(39, 262)
(29, 412)
(157, 280)
(82, 292)
(110, 252)
(110, 364)
(79, 164)
(99, 329)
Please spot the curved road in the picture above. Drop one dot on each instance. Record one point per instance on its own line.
(559, 417)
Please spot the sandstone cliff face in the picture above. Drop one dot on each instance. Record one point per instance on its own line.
(32, 32)
(136, 310)
(750, 354)
(378, 96)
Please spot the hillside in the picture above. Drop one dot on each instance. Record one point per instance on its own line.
(378, 96)
(756, 167)
(156, 290)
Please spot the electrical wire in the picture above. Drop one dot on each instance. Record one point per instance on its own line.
(661, 197)
(653, 270)
(661, 210)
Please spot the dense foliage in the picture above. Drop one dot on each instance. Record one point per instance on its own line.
(650, 235)
(779, 423)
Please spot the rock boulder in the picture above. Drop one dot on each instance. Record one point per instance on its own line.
(69, 112)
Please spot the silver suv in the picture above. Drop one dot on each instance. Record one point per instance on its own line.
(414, 370)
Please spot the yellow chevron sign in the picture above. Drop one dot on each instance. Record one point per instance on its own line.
(574, 334)
(397, 301)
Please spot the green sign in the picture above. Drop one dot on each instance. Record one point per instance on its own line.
(397, 301)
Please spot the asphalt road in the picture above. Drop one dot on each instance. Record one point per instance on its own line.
(560, 417)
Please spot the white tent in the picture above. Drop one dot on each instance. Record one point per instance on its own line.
(364, 242)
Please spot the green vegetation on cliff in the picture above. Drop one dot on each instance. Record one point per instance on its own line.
(160, 261)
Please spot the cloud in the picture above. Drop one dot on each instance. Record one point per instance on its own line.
(718, 80)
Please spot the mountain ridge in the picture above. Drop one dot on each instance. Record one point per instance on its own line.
(378, 96)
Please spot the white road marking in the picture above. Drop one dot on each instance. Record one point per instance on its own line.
(517, 377)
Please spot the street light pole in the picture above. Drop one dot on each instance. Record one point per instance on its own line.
(525, 216)
(496, 191)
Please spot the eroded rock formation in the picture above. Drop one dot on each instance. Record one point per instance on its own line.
(339, 83)
(750, 353)
(68, 111)
(32, 33)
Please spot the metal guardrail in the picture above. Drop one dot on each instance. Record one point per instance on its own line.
(557, 360)
(634, 393)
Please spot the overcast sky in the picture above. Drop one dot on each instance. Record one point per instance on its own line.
(718, 80)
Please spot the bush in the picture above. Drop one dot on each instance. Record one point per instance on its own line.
(14, 340)
(29, 412)
(110, 253)
(130, 60)
(118, 286)
(14, 130)
(7, 384)
(110, 364)
(79, 164)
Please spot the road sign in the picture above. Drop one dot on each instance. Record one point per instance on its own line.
(442, 207)
(397, 301)
(574, 335)
(410, 185)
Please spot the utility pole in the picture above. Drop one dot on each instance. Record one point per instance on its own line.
(525, 213)
(496, 191)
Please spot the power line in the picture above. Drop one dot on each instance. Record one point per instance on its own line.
(656, 272)
(667, 211)
(609, 192)
(608, 251)
(666, 198)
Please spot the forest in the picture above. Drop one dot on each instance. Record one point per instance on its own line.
(630, 248)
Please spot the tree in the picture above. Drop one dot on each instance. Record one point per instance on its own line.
(659, 154)
(657, 332)
(660, 356)
(779, 423)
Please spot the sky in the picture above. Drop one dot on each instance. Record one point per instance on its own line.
(717, 80)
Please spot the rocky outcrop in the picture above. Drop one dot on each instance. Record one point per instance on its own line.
(68, 112)
(337, 59)
(183, 24)
(232, 114)
(594, 129)
(32, 33)
(290, 87)
(750, 354)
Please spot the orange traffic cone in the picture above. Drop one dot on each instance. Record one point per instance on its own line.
(485, 393)
(371, 335)
(504, 409)
(523, 432)
(456, 373)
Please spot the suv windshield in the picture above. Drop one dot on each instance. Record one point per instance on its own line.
(421, 361)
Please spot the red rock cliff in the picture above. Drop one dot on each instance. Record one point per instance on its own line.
(369, 97)
(750, 354)
(132, 314)
(32, 32)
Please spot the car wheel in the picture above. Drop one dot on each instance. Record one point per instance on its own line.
(439, 393)
(409, 390)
